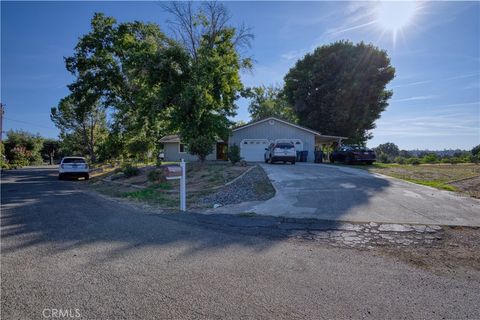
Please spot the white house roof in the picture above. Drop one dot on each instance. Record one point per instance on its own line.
(287, 123)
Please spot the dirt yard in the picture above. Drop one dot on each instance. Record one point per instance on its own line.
(207, 184)
(459, 248)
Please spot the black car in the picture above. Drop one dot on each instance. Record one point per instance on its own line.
(352, 154)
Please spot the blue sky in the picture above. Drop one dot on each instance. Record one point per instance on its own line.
(436, 101)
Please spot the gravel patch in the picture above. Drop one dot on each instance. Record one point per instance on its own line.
(253, 186)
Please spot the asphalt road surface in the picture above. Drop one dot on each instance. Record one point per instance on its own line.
(64, 248)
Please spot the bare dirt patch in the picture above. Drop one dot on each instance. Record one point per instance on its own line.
(470, 186)
(459, 248)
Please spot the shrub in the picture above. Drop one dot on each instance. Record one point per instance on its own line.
(413, 161)
(474, 158)
(430, 158)
(234, 154)
(383, 158)
(19, 157)
(4, 164)
(130, 171)
(399, 160)
(201, 147)
(155, 175)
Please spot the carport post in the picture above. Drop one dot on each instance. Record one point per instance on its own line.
(183, 187)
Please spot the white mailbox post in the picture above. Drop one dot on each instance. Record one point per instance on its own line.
(175, 172)
(183, 187)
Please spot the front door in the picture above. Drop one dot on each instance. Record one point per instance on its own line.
(222, 149)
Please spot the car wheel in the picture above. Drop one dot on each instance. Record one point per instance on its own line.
(284, 162)
(60, 176)
(266, 160)
(87, 176)
(293, 162)
(332, 160)
(369, 162)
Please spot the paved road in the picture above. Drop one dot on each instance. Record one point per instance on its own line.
(341, 193)
(64, 248)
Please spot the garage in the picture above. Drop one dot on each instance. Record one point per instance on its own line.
(254, 137)
(253, 149)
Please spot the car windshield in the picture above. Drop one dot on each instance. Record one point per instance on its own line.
(73, 160)
(284, 146)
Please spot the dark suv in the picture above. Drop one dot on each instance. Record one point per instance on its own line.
(352, 154)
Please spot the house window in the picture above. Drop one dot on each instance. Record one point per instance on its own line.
(183, 148)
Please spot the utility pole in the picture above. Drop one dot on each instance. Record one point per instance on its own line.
(2, 111)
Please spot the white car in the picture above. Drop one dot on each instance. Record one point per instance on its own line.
(280, 151)
(73, 167)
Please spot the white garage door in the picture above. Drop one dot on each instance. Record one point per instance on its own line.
(253, 149)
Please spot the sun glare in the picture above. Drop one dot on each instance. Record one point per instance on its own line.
(393, 16)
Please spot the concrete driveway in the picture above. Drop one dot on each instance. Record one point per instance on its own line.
(342, 193)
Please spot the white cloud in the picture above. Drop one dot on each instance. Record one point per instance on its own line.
(416, 98)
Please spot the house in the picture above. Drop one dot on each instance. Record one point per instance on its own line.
(174, 150)
(253, 138)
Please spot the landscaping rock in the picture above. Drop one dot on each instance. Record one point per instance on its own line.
(244, 189)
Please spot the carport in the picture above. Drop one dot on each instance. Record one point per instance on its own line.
(327, 144)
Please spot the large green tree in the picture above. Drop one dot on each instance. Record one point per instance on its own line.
(133, 70)
(339, 89)
(269, 102)
(82, 125)
(50, 150)
(387, 152)
(212, 81)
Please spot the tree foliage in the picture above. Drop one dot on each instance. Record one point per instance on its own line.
(81, 123)
(212, 81)
(339, 89)
(22, 148)
(50, 150)
(152, 84)
(201, 146)
(387, 152)
(269, 102)
(476, 151)
(130, 68)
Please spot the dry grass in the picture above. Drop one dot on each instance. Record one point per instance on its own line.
(440, 176)
(444, 173)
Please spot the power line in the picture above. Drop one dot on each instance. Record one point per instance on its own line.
(26, 122)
